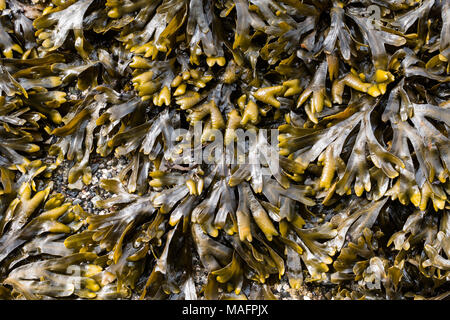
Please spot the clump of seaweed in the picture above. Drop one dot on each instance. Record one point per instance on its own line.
(352, 193)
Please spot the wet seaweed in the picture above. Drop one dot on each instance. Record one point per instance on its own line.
(352, 193)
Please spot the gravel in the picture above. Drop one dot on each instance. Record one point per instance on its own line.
(102, 168)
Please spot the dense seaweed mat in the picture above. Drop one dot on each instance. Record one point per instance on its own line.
(359, 91)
